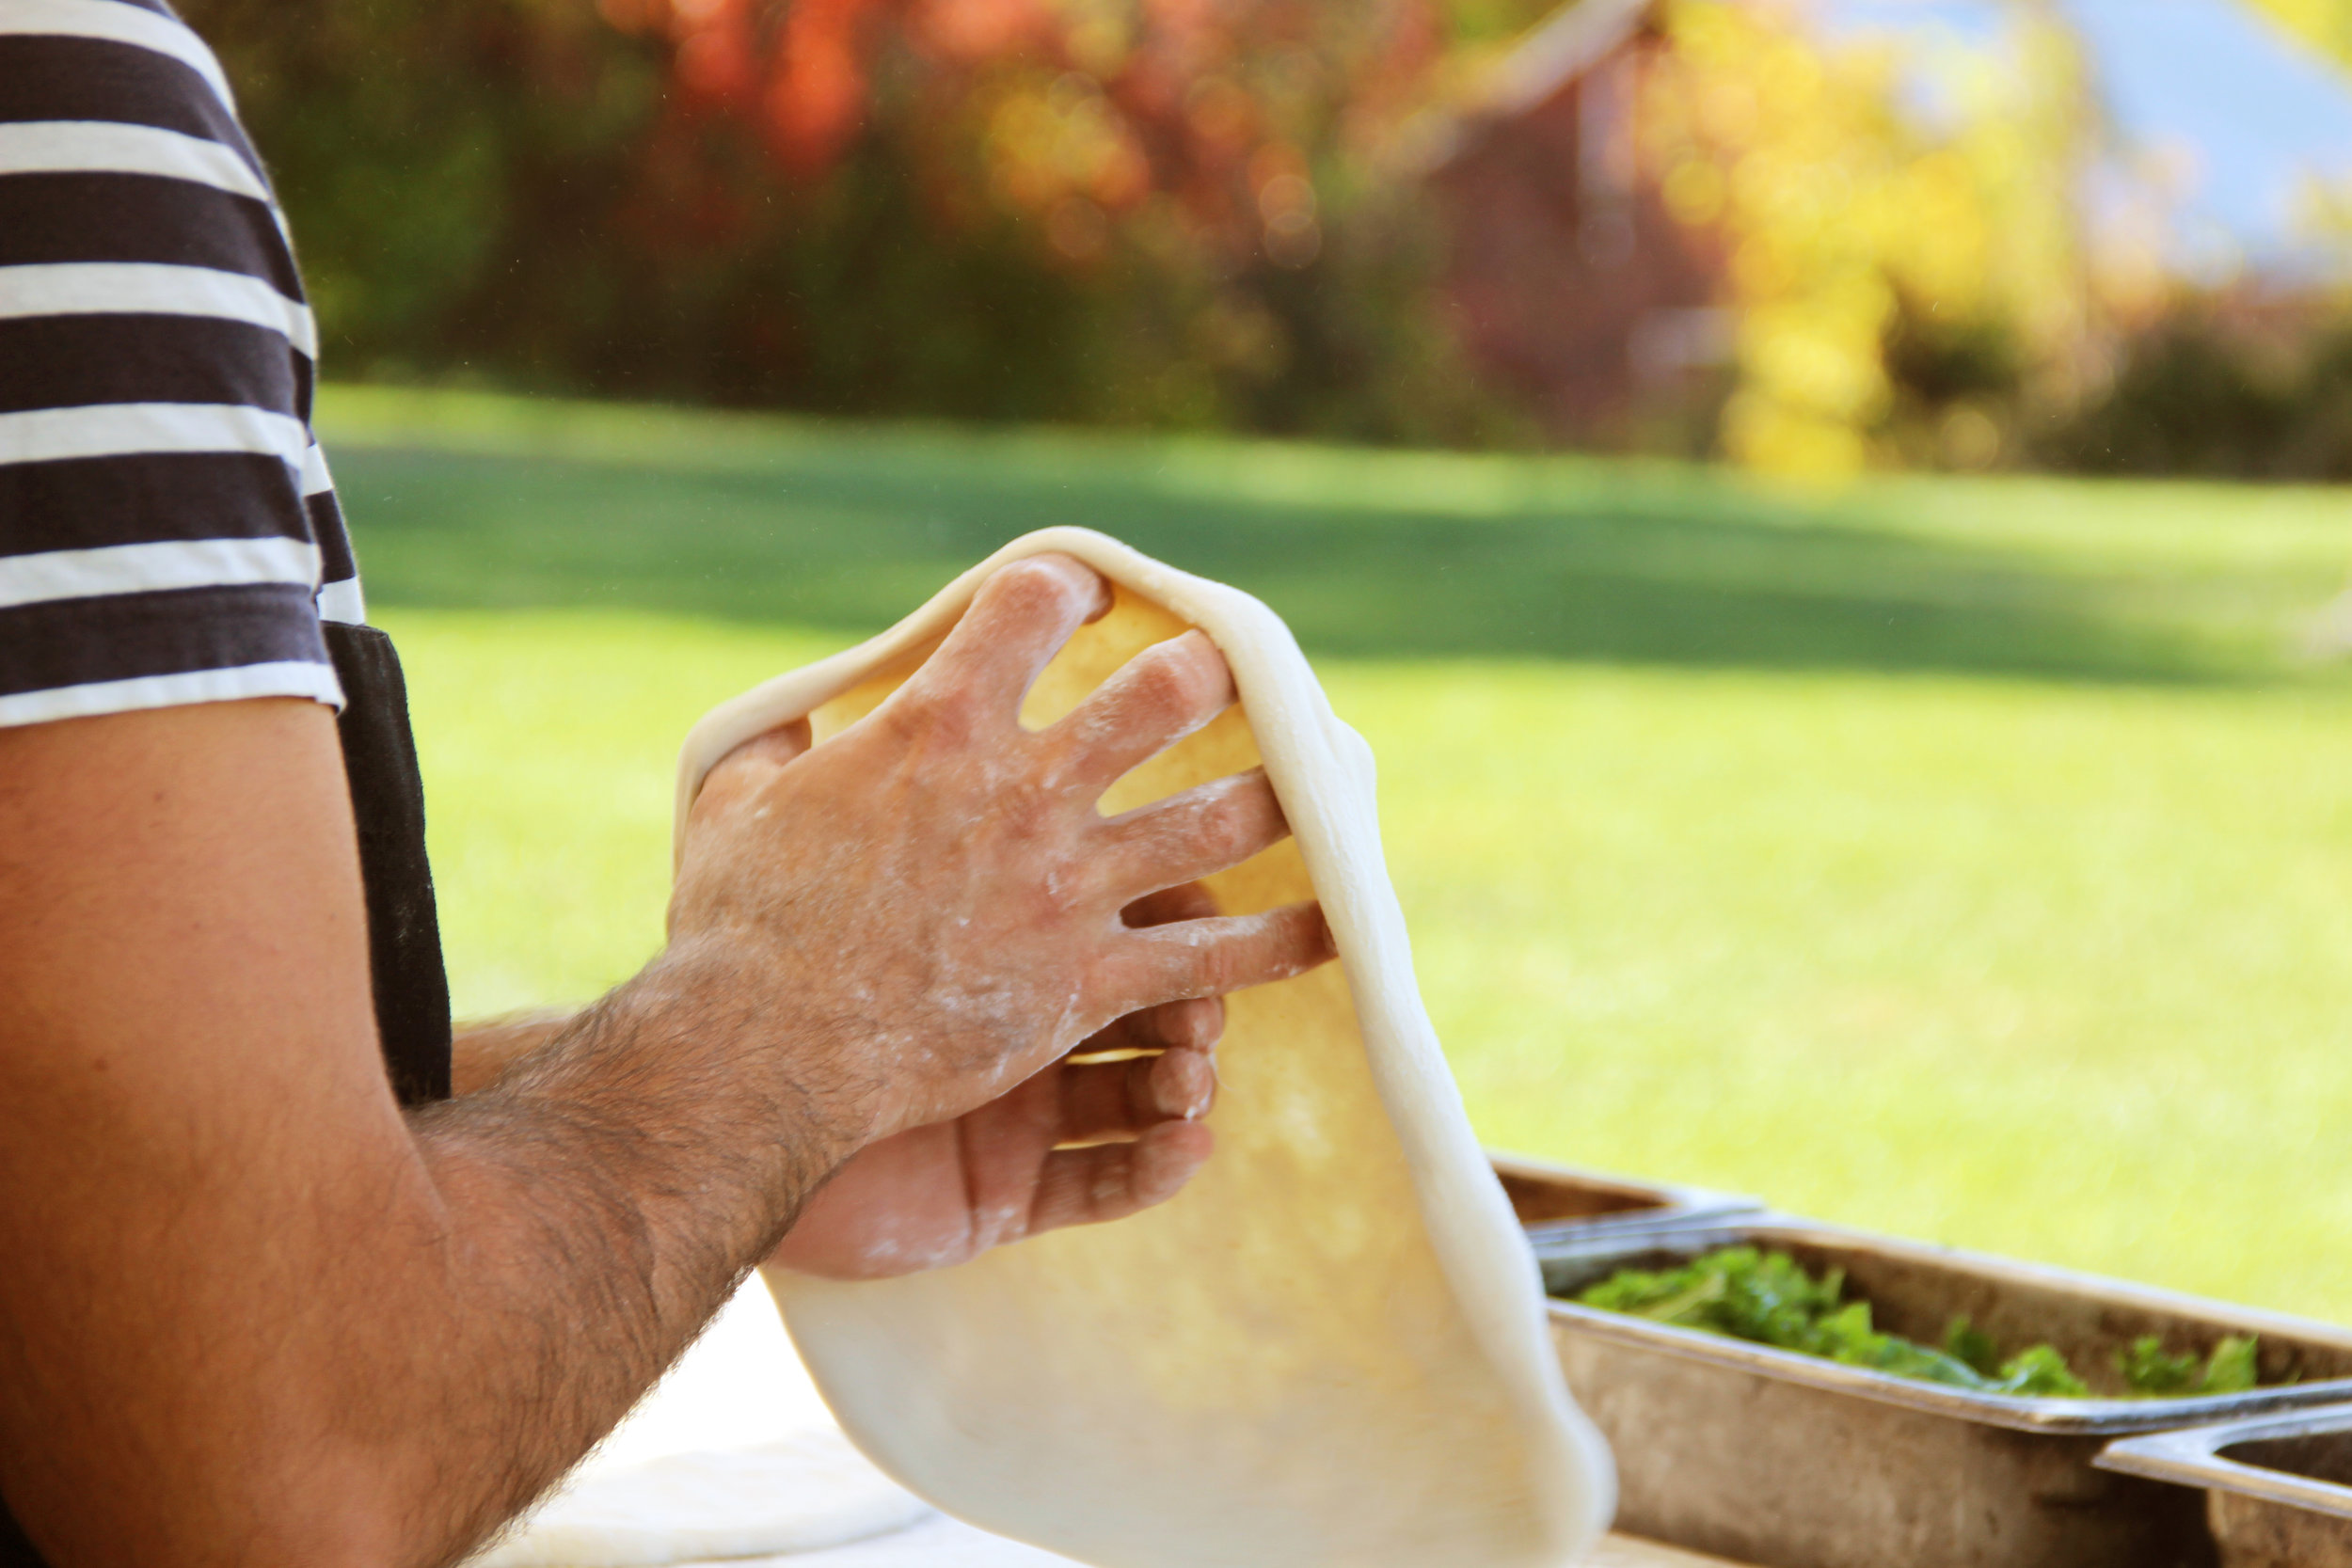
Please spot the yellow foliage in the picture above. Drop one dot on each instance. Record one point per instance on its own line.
(1835, 206)
(2325, 22)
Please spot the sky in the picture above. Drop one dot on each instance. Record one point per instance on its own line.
(2251, 105)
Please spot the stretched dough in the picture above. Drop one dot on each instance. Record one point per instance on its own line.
(1329, 1351)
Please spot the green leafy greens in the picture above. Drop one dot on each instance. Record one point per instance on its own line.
(2150, 1372)
(1769, 1299)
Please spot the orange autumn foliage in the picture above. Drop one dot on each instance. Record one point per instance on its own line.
(1227, 117)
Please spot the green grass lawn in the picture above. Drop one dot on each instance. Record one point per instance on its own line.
(1961, 858)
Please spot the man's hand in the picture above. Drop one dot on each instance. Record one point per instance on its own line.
(936, 1196)
(931, 900)
(942, 1193)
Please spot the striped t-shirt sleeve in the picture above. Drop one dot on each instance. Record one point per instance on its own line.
(168, 533)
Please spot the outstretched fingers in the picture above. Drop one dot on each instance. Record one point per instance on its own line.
(1204, 830)
(1152, 701)
(1210, 958)
(1015, 624)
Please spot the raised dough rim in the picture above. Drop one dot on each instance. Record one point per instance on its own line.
(1477, 1239)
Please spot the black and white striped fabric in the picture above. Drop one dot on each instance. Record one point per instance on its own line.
(168, 533)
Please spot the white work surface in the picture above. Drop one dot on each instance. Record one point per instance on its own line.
(742, 1386)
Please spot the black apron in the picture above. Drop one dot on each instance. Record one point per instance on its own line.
(404, 933)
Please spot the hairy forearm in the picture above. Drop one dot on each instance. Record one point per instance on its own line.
(482, 1051)
(594, 1208)
(431, 1325)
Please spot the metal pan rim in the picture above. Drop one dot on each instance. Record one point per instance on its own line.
(2192, 1457)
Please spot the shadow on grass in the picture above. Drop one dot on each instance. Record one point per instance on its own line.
(850, 536)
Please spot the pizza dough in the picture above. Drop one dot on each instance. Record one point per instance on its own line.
(1329, 1351)
(799, 1495)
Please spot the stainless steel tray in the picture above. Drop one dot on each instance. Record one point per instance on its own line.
(1561, 1203)
(1787, 1460)
(2277, 1488)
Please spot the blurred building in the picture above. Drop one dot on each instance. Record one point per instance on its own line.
(2220, 164)
(1572, 284)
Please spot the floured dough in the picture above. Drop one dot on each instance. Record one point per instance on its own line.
(800, 1494)
(1329, 1351)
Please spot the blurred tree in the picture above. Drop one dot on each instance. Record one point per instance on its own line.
(2252, 380)
(1169, 212)
(1906, 287)
(403, 133)
(1091, 210)
(1198, 183)
(2234, 385)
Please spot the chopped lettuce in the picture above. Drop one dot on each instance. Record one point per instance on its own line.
(1769, 1299)
(2151, 1371)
